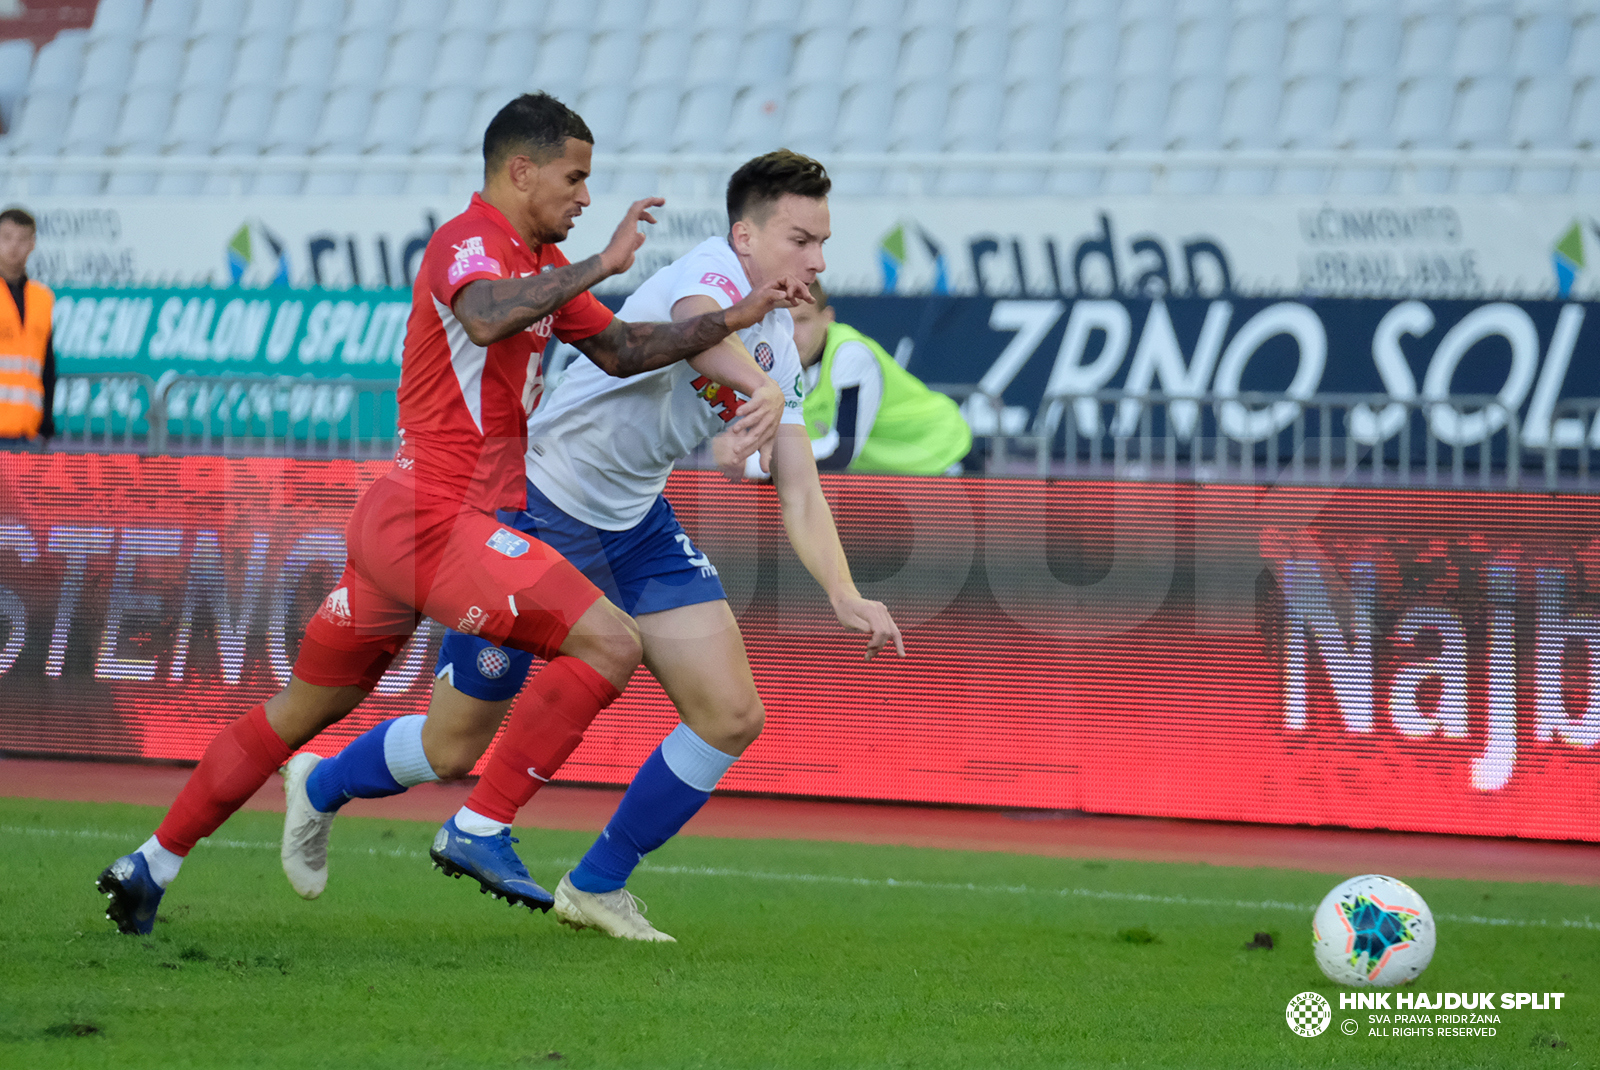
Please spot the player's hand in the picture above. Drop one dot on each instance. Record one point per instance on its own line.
(617, 256)
(859, 614)
(785, 292)
(757, 424)
(731, 452)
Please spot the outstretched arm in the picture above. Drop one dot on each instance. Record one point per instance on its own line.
(624, 349)
(809, 524)
(492, 310)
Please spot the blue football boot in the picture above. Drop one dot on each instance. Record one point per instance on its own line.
(491, 862)
(134, 894)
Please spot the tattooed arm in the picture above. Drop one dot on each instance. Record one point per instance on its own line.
(495, 309)
(625, 349)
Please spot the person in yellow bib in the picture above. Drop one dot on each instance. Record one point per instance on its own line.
(27, 356)
(863, 411)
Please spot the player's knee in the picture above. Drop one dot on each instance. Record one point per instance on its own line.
(742, 722)
(608, 640)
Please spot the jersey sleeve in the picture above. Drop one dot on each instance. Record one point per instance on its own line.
(786, 373)
(702, 276)
(465, 250)
(582, 317)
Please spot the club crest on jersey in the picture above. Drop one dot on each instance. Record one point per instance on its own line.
(508, 542)
(493, 663)
(721, 282)
(763, 355)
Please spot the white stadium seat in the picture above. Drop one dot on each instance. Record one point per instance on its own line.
(209, 63)
(1194, 116)
(703, 119)
(294, 120)
(712, 59)
(1034, 54)
(1583, 54)
(676, 15)
(94, 117)
(117, 19)
(317, 16)
(446, 114)
(1200, 47)
(196, 116)
(267, 16)
(1256, 45)
(973, 125)
(648, 122)
(482, 17)
(757, 121)
(1083, 119)
(520, 17)
(106, 65)
(143, 125)
(1426, 42)
(562, 59)
(218, 17)
(168, 18)
(1366, 113)
(259, 61)
(1482, 116)
(1310, 105)
(809, 117)
(1372, 44)
(819, 56)
(864, 112)
(1422, 112)
(628, 15)
(1146, 48)
(16, 63)
(345, 116)
(413, 60)
(603, 108)
(370, 15)
(1540, 111)
(660, 66)
(926, 55)
(1091, 51)
(509, 62)
(1483, 44)
(1314, 45)
(59, 64)
(1541, 45)
(1250, 112)
(360, 61)
(308, 64)
(246, 114)
(41, 123)
(1139, 113)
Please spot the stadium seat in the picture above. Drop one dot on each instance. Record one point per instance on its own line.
(157, 64)
(345, 115)
(711, 59)
(196, 116)
(246, 115)
(309, 62)
(975, 111)
(41, 123)
(141, 128)
(209, 63)
(117, 19)
(106, 65)
(1083, 118)
(1483, 44)
(16, 63)
(59, 64)
(1366, 113)
(1310, 106)
(258, 63)
(678, 15)
(1585, 122)
(509, 62)
(917, 122)
(981, 54)
(1250, 112)
(482, 17)
(1034, 54)
(569, 17)
(413, 61)
(1422, 112)
(1539, 120)
(603, 108)
(1146, 48)
(93, 119)
(763, 60)
(864, 111)
(1027, 118)
(1541, 45)
(1482, 117)
(1255, 46)
(660, 65)
(1199, 48)
(360, 61)
(317, 17)
(928, 14)
(1314, 45)
(1583, 56)
(611, 57)
(648, 122)
(609, 16)
(168, 18)
(1425, 42)
(819, 57)
(1139, 113)
(561, 62)
(267, 16)
(1091, 51)
(810, 116)
(703, 119)
(870, 52)
(757, 121)
(294, 121)
(925, 56)
(218, 17)
(370, 15)
(1194, 117)
(446, 114)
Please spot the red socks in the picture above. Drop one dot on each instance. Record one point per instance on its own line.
(546, 725)
(238, 761)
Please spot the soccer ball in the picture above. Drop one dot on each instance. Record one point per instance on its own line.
(1373, 930)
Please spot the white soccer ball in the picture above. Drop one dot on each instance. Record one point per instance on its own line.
(1373, 931)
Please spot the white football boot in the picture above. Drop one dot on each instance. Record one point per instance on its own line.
(619, 913)
(305, 830)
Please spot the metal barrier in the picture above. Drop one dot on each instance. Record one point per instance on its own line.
(1263, 437)
(260, 415)
(108, 412)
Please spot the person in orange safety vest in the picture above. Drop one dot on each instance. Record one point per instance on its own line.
(27, 355)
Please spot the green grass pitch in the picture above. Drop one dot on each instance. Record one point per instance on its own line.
(792, 954)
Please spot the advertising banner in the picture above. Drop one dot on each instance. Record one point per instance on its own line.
(1446, 246)
(1368, 658)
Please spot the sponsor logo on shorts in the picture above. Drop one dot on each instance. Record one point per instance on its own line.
(336, 607)
(763, 355)
(721, 282)
(473, 621)
(493, 663)
(508, 542)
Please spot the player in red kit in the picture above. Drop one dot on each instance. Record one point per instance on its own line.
(491, 290)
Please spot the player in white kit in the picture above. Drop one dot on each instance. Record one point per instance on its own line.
(599, 453)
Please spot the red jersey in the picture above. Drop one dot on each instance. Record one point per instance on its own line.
(463, 407)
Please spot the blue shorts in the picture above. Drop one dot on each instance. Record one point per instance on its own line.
(650, 567)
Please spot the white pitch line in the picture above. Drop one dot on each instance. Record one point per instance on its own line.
(854, 882)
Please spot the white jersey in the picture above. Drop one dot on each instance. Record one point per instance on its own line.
(601, 448)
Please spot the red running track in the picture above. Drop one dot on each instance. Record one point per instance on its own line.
(1071, 835)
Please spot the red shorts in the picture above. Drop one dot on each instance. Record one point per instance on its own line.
(411, 554)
